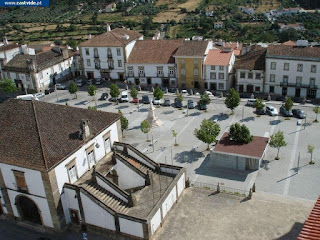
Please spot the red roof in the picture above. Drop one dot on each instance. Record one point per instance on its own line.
(311, 228)
(217, 57)
(253, 149)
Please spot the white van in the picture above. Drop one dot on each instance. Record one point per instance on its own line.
(124, 96)
(251, 102)
(27, 97)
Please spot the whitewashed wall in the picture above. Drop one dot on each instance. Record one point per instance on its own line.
(247, 81)
(81, 156)
(110, 189)
(168, 203)
(69, 201)
(96, 215)
(33, 179)
(169, 170)
(136, 156)
(127, 177)
(155, 221)
(181, 184)
(131, 227)
(41, 203)
(3, 204)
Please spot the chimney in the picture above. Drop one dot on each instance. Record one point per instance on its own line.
(31, 64)
(108, 28)
(65, 53)
(5, 40)
(89, 36)
(84, 133)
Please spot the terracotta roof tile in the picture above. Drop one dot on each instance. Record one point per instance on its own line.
(154, 51)
(192, 48)
(218, 57)
(39, 135)
(114, 38)
(290, 43)
(253, 149)
(253, 60)
(293, 51)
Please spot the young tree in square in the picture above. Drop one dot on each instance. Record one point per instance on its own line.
(259, 105)
(310, 150)
(232, 100)
(134, 92)
(180, 97)
(316, 110)
(205, 99)
(123, 122)
(288, 104)
(145, 128)
(92, 92)
(277, 141)
(73, 88)
(175, 134)
(157, 93)
(208, 132)
(114, 90)
(240, 133)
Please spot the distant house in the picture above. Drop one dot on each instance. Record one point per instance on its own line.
(110, 7)
(209, 13)
(229, 154)
(218, 25)
(290, 43)
(7, 52)
(157, 35)
(249, 11)
(297, 26)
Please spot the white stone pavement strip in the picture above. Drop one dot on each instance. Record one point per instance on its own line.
(293, 156)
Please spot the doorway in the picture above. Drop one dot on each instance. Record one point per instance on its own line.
(297, 92)
(196, 84)
(90, 75)
(74, 216)
(241, 88)
(284, 91)
(213, 86)
(250, 88)
(28, 210)
(165, 82)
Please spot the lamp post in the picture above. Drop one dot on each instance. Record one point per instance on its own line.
(55, 89)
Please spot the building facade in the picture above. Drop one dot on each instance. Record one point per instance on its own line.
(7, 52)
(105, 55)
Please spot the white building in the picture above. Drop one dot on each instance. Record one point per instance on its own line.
(105, 55)
(297, 26)
(61, 170)
(7, 52)
(250, 70)
(249, 11)
(151, 63)
(218, 65)
(293, 71)
(37, 72)
(217, 25)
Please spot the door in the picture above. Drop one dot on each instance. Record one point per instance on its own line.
(107, 145)
(297, 92)
(213, 86)
(196, 84)
(250, 88)
(91, 159)
(165, 82)
(73, 174)
(90, 75)
(1, 210)
(284, 91)
(240, 88)
(121, 77)
(28, 210)
(74, 216)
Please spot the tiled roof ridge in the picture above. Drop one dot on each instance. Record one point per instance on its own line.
(38, 131)
(116, 37)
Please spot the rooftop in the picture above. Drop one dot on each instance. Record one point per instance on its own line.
(8, 47)
(253, 60)
(192, 49)
(31, 137)
(290, 43)
(154, 51)
(117, 37)
(293, 51)
(218, 57)
(255, 148)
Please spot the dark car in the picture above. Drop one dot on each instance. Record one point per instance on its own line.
(48, 91)
(163, 89)
(172, 90)
(190, 104)
(178, 103)
(298, 113)
(261, 111)
(285, 112)
(281, 98)
(202, 106)
(167, 102)
(145, 99)
(148, 88)
(104, 96)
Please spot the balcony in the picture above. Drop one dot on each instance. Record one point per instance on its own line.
(172, 76)
(141, 75)
(298, 85)
(130, 74)
(109, 55)
(111, 67)
(97, 67)
(160, 75)
(96, 55)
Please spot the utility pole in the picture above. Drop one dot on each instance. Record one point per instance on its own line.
(55, 89)
(298, 163)
(152, 143)
(242, 112)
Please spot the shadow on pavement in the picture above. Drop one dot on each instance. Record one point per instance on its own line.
(208, 169)
(63, 100)
(293, 233)
(81, 102)
(188, 156)
(275, 122)
(134, 128)
(248, 119)
(194, 114)
(220, 117)
(143, 110)
(122, 107)
(167, 112)
(104, 105)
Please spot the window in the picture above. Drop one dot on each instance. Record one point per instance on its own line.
(273, 65)
(119, 63)
(257, 89)
(272, 78)
(95, 52)
(286, 66)
(242, 75)
(8, 74)
(196, 72)
(91, 158)
(40, 75)
(72, 173)
(213, 67)
(182, 61)
(183, 72)
(250, 75)
(271, 89)
(221, 67)
(313, 68)
(118, 52)
(88, 62)
(195, 62)
(221, 86)
(221, 75)
(130, 71)
(141, 71)
(97, 65)
(160, 71)
(171, 71)
(312, 82)
(109, 52)
(87, 51)
(20, 181)
(60, 67)
(258, 75)
(52, 71)
(285, 78)
(300, 68)
(213, 75)
(299, 81)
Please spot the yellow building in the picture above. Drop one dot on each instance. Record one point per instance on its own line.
(189, 61)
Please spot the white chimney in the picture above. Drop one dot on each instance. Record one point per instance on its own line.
(5, 40)
(89, 36)
(126, 37)
(108, 28)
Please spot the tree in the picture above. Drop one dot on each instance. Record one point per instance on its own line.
(157, 93)
(240, 133)
(7, 86)
(114, 90)
(259, 105)
(277, 141)
(205, 99)
(208, 132)
(73, 88)
(123, 122)
(288, 104)
(175, 134)
(133, 92)
(92, 92)
(145, 128)
(310, 150)
(180, 97)
(232, 100)
(316, 110)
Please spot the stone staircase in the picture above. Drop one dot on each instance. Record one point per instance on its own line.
(106, 197)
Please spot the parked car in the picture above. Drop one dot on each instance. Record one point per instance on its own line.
(190, 104)
(251, 102)
(104, 96)
(148, 88)
(298, 113)
(285, 112)
(39, 95)
(184, 92)
(209, 93)
(156, 101)
(145, 99)
(172, 90)
(271, 111)
(48, 91)
(167, 102)
(135, 100)
(98, 81)
(178, 103)
(90, 81)
(80, 82)
(61, 86)
(28, 97)
(163, 89)
(261, 111)
(124, 97)
(113, 99)
(202, 106)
